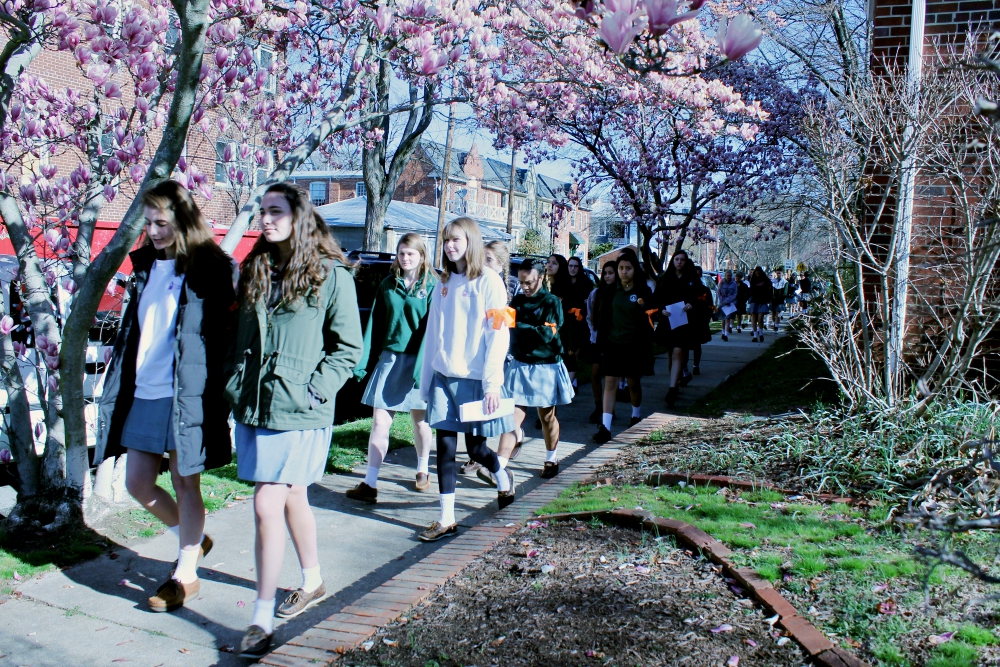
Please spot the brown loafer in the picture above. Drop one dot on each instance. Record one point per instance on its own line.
(256, 643)
(423, 481)
(550, 469)
(363, 492)
(505, 498)
(173, 594)
(436, 531)
(298, 601)
(470, 467)
(519, 435)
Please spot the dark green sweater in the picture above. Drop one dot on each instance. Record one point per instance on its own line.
(397, 322)
(533, 340)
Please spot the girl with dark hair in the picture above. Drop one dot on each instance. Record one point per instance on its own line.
(700, 317)
(727, 300)
(677, 285)
(760, 302)
(628, 346)
(163, 392)
(298, 341)
(392, 350)
(607, 287)
(742, 296)
(574, 333)
(557, 279)
(498, 258)
(465, 348)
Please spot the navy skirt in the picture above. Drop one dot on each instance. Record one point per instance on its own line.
(447, 394)
(149, 426)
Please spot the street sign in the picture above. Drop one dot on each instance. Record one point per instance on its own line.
(789, 265)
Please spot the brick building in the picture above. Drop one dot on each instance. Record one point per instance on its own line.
(478, 187)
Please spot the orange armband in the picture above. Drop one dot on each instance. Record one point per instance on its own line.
(575, 312)
(502, 316)
(649, 314)
(555, 329)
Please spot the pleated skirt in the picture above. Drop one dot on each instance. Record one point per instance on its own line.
(446, 394)
(282, 457)
(390, 386)
(539, 385)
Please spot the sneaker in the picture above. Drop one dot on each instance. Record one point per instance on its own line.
(363, 492)
(505, 498)
(485, 475)
(550, 469)
(173, 594)
(436, 531)
(470, 467)
(634, 421)
(725, 337)
(696, 370)
(672, 396)
(256, 643)
(602, 436)
(298, 601)
(595, 416)
(423, 482)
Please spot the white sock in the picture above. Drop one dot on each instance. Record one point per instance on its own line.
(636, 410)
(606, 420)
(176, 530)
(502, 480)
(551, 457)
(187, 564)
(422, 462)
(311, 579)
(447, 509)
(263, 615)
(371, 477)
(503, 461)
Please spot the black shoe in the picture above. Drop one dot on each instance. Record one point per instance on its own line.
(363, 492)
(595, 416)
(550, 469)
(753, 339)
(671, 396)
(602, 436)
(696, 370)
(725, 337)
(635, 420)
(256, 643)
(685, 379)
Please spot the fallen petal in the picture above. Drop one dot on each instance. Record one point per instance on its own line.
(750, 642)
(734, 661)
(941, 639)
(725, 627)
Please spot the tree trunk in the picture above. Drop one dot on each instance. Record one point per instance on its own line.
(22, 442)
(446, 171)
(510, 190)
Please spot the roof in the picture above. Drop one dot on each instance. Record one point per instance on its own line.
(335, 173)
(402, 216)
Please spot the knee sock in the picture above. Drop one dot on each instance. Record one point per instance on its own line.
(636, 410)
(447, 508)
(422, 462)
(187, 564)
(447, 443)
(606, 420)
(503, 461)
(263, 615)
(311, 579)
(551, 455)
(371, 476)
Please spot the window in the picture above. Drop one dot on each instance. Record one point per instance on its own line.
(265, 58)
(317, 193)
(221, 168)
(359, 190)
(264, 170)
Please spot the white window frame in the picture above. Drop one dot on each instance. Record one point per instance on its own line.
(359, 189)
(323, 193)
(271, 82)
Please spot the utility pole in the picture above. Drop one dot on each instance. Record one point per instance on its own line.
(510, 190)
(442, 203)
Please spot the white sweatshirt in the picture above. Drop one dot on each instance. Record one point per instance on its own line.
(460, 341)
(154, 362)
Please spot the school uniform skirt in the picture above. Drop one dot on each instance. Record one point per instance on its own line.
(539, 385)
(149, 426)
(391, 384)
(758, 308)
(626, 361)
(282, 457)
(446, 394)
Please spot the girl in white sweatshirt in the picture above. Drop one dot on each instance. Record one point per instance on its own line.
(464, 350)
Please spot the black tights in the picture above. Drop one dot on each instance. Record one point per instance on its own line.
(447, 445)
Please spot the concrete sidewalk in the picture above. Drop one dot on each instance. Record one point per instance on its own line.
(95, 613)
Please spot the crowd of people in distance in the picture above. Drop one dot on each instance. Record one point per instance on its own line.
(758, 297)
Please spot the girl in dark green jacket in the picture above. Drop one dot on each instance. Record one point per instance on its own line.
(298, 341)
(394, 342)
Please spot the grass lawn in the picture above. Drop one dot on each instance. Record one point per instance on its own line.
(837, 562)
(786, 377)
(350, 441)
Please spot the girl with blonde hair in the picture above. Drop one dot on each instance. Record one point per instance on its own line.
(393, 346)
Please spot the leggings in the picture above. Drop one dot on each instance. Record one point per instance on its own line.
(447, 445)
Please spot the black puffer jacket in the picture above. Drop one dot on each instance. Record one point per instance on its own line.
(206, 319)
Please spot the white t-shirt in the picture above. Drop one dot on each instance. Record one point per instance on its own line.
(154, 364)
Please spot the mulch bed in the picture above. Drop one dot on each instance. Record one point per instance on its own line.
(582, 594)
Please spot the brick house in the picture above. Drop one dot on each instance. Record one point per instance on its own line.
(937, 23)
(478, 187)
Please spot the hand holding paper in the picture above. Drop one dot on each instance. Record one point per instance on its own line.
(728, 310)
(676, 314)
(474, 411)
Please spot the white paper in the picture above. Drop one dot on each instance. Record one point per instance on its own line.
(473, 412)
(728, 310)
(678, 317)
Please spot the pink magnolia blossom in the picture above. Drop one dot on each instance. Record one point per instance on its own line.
(6, 324)
(663, 15)
(20, 349)
(6, 456)
(738, 37)
(619, 29)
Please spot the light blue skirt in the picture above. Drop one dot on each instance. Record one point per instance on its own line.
(282, 457)
(539, 385)
(149, 426)
(447, 394)
(391, 384)
(758, 308)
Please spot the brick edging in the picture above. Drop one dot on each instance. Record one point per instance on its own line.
(324, 643)
(813, 641)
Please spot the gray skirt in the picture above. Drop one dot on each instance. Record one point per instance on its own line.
(539, 385)
(149, 426)
(447, 394)
(282, 457)
(391, 384)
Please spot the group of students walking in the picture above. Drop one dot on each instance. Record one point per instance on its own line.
(758, 296)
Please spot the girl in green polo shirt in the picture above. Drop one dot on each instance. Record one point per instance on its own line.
(394, 342)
